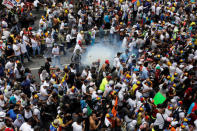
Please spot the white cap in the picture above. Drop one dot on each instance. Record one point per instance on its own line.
(3, 37)
(174, 123)
(111, 82)
(173, 101)
(45, 84)
(181, 66)
(181, 114)
(99, 91)
(134, 122)
(139, 62)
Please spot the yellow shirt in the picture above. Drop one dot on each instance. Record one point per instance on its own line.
(103, 84)
(135, 86)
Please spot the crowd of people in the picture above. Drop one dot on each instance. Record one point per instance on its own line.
(150, 86)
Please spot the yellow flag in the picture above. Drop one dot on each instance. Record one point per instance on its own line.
(138, 2)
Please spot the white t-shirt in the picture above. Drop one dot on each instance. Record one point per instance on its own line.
(34, 43)
(36, 112)
(108, 89)
(23, 48)
(43, 93)
(2, 104)
(84, 74)
(158, 10)
(16, 48)
(112, 30)
(77, 47)
(2, 124)
(93, 33)
(25, 127)
(62, 26)
(160, 120)
(77, 127)
(28, 114)
(4, 24)
(17, 74)
(18, 123)
(68, 38)
(116, 62)
(83, 89)
(49, 42)
(79, 37)
(36, 3)
(89, 20)
(25, 39)
(153, 8)
(80, 23)
(56, 51)
(131, 102)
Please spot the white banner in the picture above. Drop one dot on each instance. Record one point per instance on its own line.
(9, 3)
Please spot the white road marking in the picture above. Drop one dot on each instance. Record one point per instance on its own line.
(37, 68)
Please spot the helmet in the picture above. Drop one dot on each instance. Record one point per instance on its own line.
(138, 82)
(106, 61)
(111, 82)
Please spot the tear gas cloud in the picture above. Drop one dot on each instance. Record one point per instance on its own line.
(102, 51)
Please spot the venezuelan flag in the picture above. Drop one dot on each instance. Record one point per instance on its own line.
(133, 1)
(137, 2)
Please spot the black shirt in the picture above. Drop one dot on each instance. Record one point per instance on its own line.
(47, 67)
(9, 52)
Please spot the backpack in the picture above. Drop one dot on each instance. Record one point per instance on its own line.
(166, 123)
(176, 114)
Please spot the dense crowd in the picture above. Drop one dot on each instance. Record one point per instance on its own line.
(151, 85)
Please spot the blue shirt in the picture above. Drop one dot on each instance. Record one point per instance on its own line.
(124, 57)
(12, 114)
(52, 128)
(144, 74)
(106, 19)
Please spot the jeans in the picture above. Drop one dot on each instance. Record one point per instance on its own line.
(62, 49)
(34, 50)
(42, 48)
(25, 55)
(111, 37)
(56, 61)
(77, 67)
(48, 52)
(18, 58)
(93, 41)
(80, 28)
(15, 28)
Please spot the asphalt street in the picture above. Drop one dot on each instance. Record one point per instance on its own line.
(37, 62)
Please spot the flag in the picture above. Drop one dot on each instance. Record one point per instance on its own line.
(133, 1)
(89, 111)
(114, 112)
(138, 2)
(192, 1)
(116, 102)
(159, 98)
(8, 3)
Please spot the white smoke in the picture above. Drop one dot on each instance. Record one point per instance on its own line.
(102, 51)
